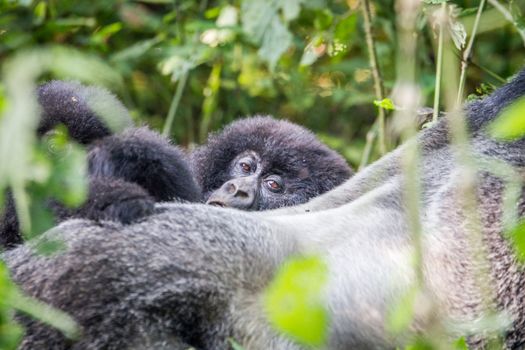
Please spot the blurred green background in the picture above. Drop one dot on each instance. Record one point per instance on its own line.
(206, 63)
(304, 60)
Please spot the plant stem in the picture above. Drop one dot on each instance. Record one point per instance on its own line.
(166, 131)
(370, 138)
(466, 54)
(376, 73)
(509, 16)
(439, 68)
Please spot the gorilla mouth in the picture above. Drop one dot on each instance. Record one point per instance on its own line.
(217, 204)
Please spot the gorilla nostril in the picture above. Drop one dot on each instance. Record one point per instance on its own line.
(241, 194)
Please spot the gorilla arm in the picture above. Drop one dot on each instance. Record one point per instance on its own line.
(194, 274)
(208, 267)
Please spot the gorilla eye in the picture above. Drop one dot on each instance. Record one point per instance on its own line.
(245, 167)
(273, 184)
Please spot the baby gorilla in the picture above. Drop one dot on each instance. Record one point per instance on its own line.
(128, 171)
(262, 163)
(253, 164)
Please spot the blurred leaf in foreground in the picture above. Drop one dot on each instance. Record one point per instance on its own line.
(386, 104)
(510, 125)
(11, 298)
(293, 301)
(517, 237)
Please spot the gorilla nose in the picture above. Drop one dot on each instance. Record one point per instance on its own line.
(237, 193)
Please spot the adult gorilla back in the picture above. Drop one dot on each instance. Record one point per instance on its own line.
(263, 163)
(194, 275)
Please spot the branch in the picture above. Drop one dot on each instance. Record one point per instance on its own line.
(376, 73)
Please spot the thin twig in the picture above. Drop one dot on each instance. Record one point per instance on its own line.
(466, 53)
(370, 138)
(437, 88)
(166, 131)
(175, 104)
(376, 72)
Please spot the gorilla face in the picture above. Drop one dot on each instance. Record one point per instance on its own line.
(252, 185)
(263, 163)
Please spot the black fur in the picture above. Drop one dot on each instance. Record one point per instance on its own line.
(71, 104)
(144, 157)
(307, 166)
(128, 171)
(194, 275)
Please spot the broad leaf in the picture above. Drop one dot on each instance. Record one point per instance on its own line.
(293, 301)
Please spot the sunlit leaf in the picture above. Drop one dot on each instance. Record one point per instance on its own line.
(293, 301)
(40, 12)
(510, 125)
(385, 103)
(461, 344)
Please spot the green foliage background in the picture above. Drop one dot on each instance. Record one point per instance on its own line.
(305, 60)
(206, 63)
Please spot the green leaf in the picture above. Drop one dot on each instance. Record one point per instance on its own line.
(293, 301)
(510, 125)
(101, 36)
(323, 19)
(235, 345)
(461, 344)
(70, 180)
(45, 313)
(49, 247)
(517, 238)
(136, 50)
(262, 24)
(346, 29)
(386, 103)
(291, 9)
(41, 217)
(420, 344)
(402, 313)
(40, 12)
(456, 28)
(256, 16)
(275, 42)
